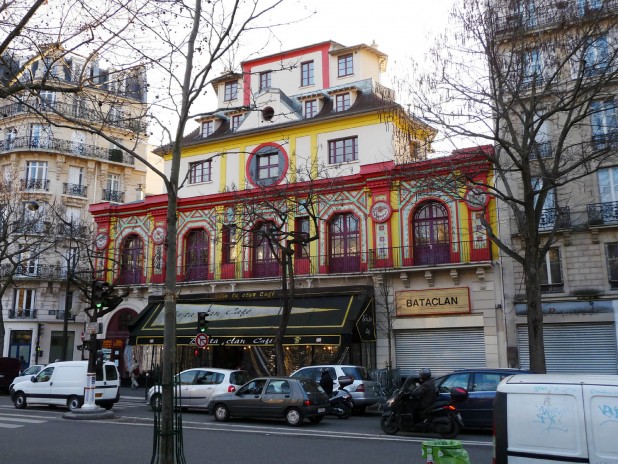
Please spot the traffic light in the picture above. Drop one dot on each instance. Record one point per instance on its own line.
(100, 290)
(202, 322)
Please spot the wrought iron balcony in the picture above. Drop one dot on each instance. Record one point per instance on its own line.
(113, 196)
(605, 141)
(22, 313)
(542, 149)
(35, 184)
(558, 218)
(603, 213)
(66, 147)
(74, 189)
(74, 110)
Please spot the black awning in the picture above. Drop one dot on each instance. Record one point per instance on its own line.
(319, 317)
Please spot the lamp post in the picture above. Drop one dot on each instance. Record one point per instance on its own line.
(33, 205)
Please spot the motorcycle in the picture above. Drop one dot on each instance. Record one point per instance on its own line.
(341, 401)
(441, 417)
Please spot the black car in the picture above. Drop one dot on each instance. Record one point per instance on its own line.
(477, 410)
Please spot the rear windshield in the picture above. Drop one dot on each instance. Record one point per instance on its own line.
(239, 378)
(357, 372)
(310, 386)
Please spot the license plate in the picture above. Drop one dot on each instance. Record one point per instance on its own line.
(321, 410)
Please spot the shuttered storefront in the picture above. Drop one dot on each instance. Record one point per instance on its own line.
(441, 350)
(574, 348)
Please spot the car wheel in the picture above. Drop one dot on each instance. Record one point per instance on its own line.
(294, 417)
(221, 413)
(316, 419)
(19, 400)
(155, 402)
(74, 403)
(107, 405)
(389, 424)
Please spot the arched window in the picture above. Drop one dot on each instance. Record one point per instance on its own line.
(431, 234)
(132, 260)
(344, 243)
(196, 255)
(265, 262)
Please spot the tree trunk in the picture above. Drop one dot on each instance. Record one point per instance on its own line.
(287, 275)
(534, 312)
(2, 329)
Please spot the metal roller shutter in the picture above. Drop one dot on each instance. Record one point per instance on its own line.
(584, 348)
(441, 350)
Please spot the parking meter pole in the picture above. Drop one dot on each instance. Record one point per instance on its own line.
(91, 376)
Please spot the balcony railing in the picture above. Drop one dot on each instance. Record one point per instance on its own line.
(35, 184)
(22, 313)
(113, 195)
(374, 260)
(79, 112)
(605, 141)
(603, 213)
(75, 190)
(559, 218)
(561, 12)
(66, 147)
(131, 276)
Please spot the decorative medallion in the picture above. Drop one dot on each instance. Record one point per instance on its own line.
(476, 198)
(101, 240)
(158, 235)
(380, 211)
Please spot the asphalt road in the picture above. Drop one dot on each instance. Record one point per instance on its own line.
(40, 434)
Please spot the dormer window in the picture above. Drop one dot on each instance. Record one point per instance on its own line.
(345, 65)
(208, 127)
(265, 80)
(311, 108)
(342, 101)
(231, 91)
(235, 121)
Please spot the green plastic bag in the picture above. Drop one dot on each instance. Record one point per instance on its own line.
(445, 452)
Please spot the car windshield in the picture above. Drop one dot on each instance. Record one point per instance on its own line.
(32, 370)
(357, 372)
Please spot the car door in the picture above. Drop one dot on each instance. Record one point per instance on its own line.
(205, 384)
(481, 399)
(247, 402)
(40, 389)
(276, 398)
(186, 383)
(460, 379)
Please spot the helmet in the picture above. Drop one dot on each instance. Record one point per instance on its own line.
(424, 374)
(325, 370)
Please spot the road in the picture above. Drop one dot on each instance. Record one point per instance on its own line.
(40, 434)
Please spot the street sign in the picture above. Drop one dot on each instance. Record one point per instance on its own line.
(92, 327)
(201, 340)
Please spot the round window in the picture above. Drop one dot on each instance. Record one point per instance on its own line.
(267, 165)
(268, 113)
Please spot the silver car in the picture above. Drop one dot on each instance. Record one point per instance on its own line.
(196, 386)
(364, 389)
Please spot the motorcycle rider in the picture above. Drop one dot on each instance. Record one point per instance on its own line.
(326, 382)
(423, 395)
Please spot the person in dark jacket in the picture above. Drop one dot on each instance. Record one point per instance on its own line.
(326, 382)
(423, 395)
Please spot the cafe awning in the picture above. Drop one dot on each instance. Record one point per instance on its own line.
(321, 316)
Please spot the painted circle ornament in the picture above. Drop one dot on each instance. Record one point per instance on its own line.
(477, 198)
(158, 235)
(380, 211)
(101, 240)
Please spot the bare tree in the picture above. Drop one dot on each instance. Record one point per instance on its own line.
(535, 81)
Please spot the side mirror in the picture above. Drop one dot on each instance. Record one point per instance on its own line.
(33, 378)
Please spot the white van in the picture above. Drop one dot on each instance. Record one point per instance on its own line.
(63, 383)
(556, 418)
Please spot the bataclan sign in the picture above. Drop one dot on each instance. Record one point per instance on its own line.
(433, 301)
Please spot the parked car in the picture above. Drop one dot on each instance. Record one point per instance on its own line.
(9, 369)
(273, 397)
(482, 383)
(196, 386)
(364, 389)
(63, 383)
(26, 374)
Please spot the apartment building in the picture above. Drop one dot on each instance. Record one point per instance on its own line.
(400, 272)
(55, 169)
(566, 80)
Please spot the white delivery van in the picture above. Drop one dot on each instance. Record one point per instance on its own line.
(556, 418)
(63, 383)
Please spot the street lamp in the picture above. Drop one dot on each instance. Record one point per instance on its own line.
(33, 205)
